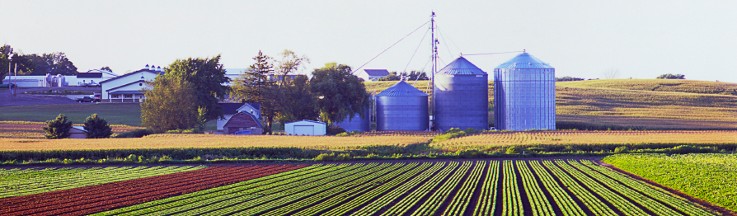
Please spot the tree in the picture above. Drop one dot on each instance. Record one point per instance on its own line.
(58, 63)
(106, 68)
(58, 128)
(170, 105)
(340, 93)
(568, 78)
(672, 76)
(206, 75)
(97, 127)
(297, 102)
(289, 64)
(411, 76)
(201, 118)
(391, 77)
(255, 86)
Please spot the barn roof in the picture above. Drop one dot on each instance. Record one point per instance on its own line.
(244, 120)
(377, 72)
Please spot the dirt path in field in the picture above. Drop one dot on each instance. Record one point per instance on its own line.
(703, 203)
(98, 198)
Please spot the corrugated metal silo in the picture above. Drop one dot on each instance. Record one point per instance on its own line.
(462, 99)
(357, 123)
(401, 107)
(524, 94)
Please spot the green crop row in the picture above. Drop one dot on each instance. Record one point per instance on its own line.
(467, 187)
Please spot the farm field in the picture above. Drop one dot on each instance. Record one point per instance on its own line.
(587, 138)
(19, 182)
(709, 177)
(117, 113)
(91, 199)
(480, 187)
(166, 141)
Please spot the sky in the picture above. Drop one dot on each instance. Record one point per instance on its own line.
(581, 38)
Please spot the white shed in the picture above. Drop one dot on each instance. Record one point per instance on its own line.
(306, 127)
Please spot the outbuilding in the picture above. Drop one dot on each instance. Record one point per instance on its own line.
(306, 128)
(77, 132)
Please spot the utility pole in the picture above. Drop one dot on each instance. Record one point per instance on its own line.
(434, 69)
(10, 70)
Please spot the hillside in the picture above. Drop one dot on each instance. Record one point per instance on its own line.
(636, 103)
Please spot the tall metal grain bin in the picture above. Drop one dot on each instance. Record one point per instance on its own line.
(462, 99)
(401, 107)
(524, 94)
(357, 123)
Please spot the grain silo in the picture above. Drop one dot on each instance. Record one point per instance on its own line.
(357, 123)
(524, 94)
(462, 99)
(401, 107)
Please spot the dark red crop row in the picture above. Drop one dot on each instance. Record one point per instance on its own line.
(92, 199)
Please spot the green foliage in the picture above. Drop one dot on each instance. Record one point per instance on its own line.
(411, 76)
(97, 127)
(340, 93)
(568, 78)
(332, 157)
(169, 105)
(207, 76)
(296, 101)
(201, 119)
(453, 133)
(671, 76)
(621, 149)
(707, 177)
(137, 133)
(334, 130)
(512, 150)
(57, 128)
(255, 86)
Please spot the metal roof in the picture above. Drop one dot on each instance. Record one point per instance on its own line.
(461, 66)
(524, 60)
(126, 92)
(401, 89)
(377, 72)
(90, 75)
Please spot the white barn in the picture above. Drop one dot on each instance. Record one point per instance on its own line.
(129, 87)
(95, 76)
(372, 74)
(306, 128)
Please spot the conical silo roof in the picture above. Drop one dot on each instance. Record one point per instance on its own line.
(401, 89)
(461, 66)
(524, 60)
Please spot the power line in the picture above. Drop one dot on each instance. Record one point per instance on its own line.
(416, 49)
(491, 53)
(395, 43)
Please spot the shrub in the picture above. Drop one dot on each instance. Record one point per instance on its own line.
(453, 133)
(97, 127)
(332, 157)
(334, 130)
(672, 76)
(512, 150)
(58, 128)
(138, 133)
(621, 149)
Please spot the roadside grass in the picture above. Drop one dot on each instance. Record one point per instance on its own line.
(114, 113)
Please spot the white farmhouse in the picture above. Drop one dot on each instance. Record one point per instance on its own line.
(306, 128)
(129, 87)
(372, 74)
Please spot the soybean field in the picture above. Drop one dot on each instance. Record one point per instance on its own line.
(450, 187)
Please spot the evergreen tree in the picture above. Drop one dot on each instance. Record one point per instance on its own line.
(255, 86)
(97, 127)
(58, 128)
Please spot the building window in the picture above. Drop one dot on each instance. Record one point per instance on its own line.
(140, 84)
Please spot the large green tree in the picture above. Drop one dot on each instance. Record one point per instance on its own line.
(297, 101)
(97, 127)
(170, 105)
(58, 128)
(289, 63)
(206, 75)
(254, 86)
(340, 94)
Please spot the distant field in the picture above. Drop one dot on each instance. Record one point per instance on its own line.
(122, 113)
(493, 140)
(709, 177)
(636, 103)
(167, 141)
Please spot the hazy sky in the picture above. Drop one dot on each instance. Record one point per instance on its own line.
(583, 38)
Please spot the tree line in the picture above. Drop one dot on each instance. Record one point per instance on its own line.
(35, 64)
(187, 94)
